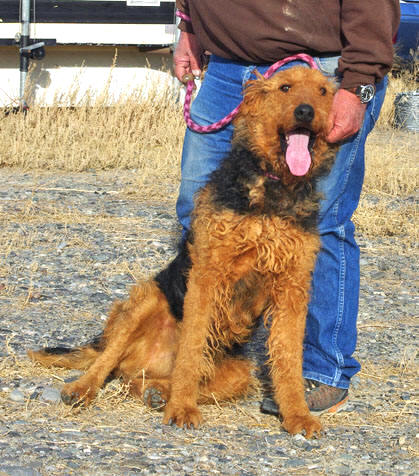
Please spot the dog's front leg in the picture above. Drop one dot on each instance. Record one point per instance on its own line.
(182, 407)
(286, 355)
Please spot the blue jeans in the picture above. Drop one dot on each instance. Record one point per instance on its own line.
(331, 321)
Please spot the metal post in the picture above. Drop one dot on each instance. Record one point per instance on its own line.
(24, 42)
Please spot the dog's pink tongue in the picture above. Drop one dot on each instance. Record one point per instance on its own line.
(297, 156)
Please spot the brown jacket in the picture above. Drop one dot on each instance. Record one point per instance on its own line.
(270, 30)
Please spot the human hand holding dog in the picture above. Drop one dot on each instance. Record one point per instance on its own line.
(187, 56)
(346, 116)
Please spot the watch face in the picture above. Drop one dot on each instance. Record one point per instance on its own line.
(366, 93)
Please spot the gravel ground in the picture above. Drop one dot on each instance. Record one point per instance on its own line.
(72, 243)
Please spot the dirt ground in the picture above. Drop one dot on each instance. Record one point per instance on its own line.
(71, 243)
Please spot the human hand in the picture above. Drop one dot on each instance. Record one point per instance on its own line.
(346, 116)
(187, 56)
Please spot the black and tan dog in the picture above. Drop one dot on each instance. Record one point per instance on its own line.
(251, 252)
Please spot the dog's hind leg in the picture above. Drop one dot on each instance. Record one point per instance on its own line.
(154, 392)
(126, 322)
(233, 378)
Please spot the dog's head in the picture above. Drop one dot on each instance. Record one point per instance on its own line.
(284, 120)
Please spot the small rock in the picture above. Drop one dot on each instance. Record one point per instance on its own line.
(343, 470)
(17, 396)
(28, 386)
(98, 296)
(154, 456)
(62, 245)
(35, 295)
(355, 381)
(50, 395)
(350, 407)
(220, 446)
(293, 462)
(19, 471)
(308, 447)
(202, 459)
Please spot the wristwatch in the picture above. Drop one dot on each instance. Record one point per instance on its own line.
(365, 92)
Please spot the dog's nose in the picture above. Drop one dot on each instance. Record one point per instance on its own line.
(304, 113)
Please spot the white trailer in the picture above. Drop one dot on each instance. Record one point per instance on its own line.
(88, 45)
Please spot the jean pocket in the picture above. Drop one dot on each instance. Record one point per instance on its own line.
(328, 65)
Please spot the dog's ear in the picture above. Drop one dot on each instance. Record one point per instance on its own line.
(254, 95)
(255, 86)
(253, 98)
(258, 74)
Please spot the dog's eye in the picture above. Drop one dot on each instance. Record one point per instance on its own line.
(323, 91)
(285, 88)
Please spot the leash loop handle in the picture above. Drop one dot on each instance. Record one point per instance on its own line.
(190, 86)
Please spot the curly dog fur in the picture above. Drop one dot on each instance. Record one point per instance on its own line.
(251, 252)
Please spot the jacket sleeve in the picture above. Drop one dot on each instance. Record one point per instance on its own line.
(368, 28)
(183, 6)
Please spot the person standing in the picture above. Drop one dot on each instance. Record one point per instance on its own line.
(351, 42)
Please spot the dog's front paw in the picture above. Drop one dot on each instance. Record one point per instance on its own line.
(182, 416)
(302, 423)
(76, 394)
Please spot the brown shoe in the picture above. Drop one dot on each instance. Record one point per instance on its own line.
(320, 398)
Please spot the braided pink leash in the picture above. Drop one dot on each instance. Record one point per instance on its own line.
(229, 117)
(190, 86)
(183, 16)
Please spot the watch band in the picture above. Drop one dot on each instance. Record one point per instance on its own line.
(365, 92)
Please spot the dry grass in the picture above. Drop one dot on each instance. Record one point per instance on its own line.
(379, 220)
(139, 131)
(391, 164)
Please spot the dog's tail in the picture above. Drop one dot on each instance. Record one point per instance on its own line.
(80, 358)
